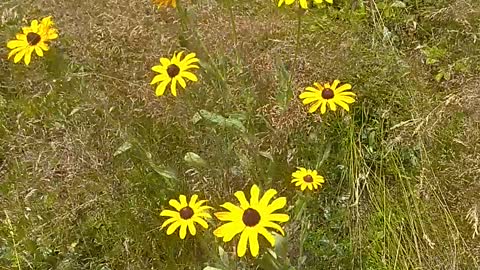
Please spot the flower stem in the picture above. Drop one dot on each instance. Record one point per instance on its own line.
(299, 33)
(234, 29)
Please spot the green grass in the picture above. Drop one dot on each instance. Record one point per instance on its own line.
(89, 156)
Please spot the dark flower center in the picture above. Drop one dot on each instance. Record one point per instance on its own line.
(251, 217)
(173, 70)
(33, 38)
(308, 178)
(327, 93)
(186, 212)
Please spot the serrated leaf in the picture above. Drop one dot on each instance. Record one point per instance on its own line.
(123, 148)
(399, 4)
(222, 121)
(194, 160)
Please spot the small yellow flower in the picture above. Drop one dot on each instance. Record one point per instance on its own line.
(307, 178)
(186, 216)
(174, 70)
(320, 96)
(303, 3)
(251, 219)
(165, 3)
(33, 38)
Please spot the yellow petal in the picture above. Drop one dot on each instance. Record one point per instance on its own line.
(193, 200)
(19, 55)
(191, 228)
(267, 235)
(175, 204)
(183, 230)
(265, 200)
(192, 77)
(332, 105)
(278, 217)
(12, 44)
(241, 198)
(310, 100)
(200, 221)
(343, 88)
(159, 78)
(242, 244)
(181, 81)
(335, 84)
(275, 226)
(280, 3)
(14, 51)
(173, 227)
(38, 51)
(315, 106)
(323, 109)
(254, 194)
(173, 87)
(170, 213)
(303, 4)
(43, 46)
(343, 105)
(347, 99)
(303, 187)
(168, 221)
(253, 242)
(165, 62)
(161, 88)
(277, 204)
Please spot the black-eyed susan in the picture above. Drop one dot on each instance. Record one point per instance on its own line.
(307, 179)
(303, 3)
(174, 70)
(332, 95)
(251, 219)
(165, 3)
(186, 215)
(33, 38)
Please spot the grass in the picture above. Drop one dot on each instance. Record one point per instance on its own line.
(90, 156)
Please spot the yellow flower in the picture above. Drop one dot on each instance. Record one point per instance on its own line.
(47, 26)
(303, 3)
(33, 38)
(328, 94)
(173, 71)
(186, 216)
(165, 3)
(307, 178)
(251, 219)
(321, 1)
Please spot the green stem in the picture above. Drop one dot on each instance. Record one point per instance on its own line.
(299, 33)
(234, 29)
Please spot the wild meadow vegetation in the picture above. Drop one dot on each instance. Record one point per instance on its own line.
(90, 155)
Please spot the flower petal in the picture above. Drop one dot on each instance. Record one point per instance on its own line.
(270, 238)
(173, 87)
(189, 75)
(173, 227)
(168, 221)
(12, 44)
(315, 106)
(38, 51)
(342, 88)
(274, 226)
(241, 198)
(253, 242)
(175, 204)
(170, 213)
(160, 90)
(323, 109)
(183, 230)
(242, 244)
(191, 228)
(265, 200)
(254, 194)
(159, 78)
(335, 84)
(193, 200)
(200, 221)
(277, 204)
(332, 105)
(278, 217)
(19, 55)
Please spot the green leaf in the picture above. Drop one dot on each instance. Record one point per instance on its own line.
(194, 160)
(222, 121)
(123, 148)
(281, 245)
